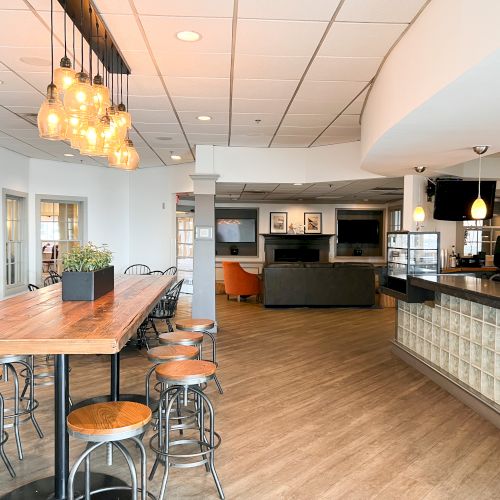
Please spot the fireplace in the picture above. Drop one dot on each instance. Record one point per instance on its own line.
(296, 247)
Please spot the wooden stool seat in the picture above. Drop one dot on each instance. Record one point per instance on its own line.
(181, 338)
(189, 372)
(109, 420)
(166, 353)
(195, 324)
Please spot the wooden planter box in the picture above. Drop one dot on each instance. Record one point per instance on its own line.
(87, 286)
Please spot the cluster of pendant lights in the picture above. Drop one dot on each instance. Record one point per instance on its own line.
(87, 116)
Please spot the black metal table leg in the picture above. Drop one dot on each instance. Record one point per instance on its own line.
(115, 377)
(61, 438)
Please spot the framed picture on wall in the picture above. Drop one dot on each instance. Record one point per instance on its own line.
(312, 223)
(278, 222)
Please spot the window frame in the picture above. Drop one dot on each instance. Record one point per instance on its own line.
(82, 222)
(23, 209)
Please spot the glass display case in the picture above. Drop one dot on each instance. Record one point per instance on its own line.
(412, 253)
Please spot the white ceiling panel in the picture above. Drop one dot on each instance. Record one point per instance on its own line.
(380, 11)
(158, 102)
(270, 67)
(186, 8)
(11, 36)
(300, 131)
(295, 120)
(200, 128)
(13, 83)
(293, 141)
(190, 117)
(249, 119)
(152, 116)
(347, 121)
(317, 107)
(158, 128)
(161, 32)
(140, 62)
(360, 39)
(198, 87)
(278, 38)
(202, 105)
(194, 64)
(112, 6)
(125, 31)
(335, 130)
(20, 98)
(357, 105)
(318, 10)
(358, 69)
(250, 141)
(259, 105)
(143, 85)
(341, 92)
(216, 139)
(264, 89)
(259, 130)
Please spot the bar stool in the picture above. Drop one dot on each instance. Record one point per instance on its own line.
(183, 379)
(202, 326)
(109, 423)
(3, 439)
(24, 406)
(166, 354)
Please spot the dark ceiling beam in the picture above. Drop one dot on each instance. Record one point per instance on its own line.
(115, 62)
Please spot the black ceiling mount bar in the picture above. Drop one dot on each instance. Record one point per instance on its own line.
(97, 44)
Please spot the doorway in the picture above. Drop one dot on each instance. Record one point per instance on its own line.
(185, 248)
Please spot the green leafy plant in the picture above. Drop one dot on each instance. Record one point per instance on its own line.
(87, 258)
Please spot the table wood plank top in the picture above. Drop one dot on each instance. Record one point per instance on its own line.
(40, 322)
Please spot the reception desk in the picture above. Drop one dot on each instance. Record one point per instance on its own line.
(453, 337)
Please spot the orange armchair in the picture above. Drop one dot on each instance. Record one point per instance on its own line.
(239, 282)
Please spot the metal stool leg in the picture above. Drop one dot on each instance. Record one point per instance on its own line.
(16, 410)
(3, 440)
(31, 404)
(214, 358)
(81, 458)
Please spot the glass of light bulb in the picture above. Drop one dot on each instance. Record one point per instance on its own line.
(64, 76)
(51, 117)
(108, 131)
(79, 97)
(478, 209)
(419, 214)
(101, 96)
(133, 156)
(91, 141)
(119, 156)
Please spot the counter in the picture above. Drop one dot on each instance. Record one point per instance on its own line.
(454, 338)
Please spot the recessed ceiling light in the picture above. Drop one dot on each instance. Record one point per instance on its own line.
(164, 138)
(69, 154)
(176, 157)
(204, 118)
(188, 36)
(297, 184)
(1, 82)
(35, 61)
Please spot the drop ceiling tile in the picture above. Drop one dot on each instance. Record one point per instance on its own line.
(161, 129)
(270, 67)
(317, 107)
(300, 131)
(249, 119)
(253, 130)
(198, 64)
(383, 11)
(274, 106)
(356, 107)
(13, 83)
(161, 32)
(34, 80)
(292, 141)
(13, 98)
(112, 7)
(306, 120)
(358, 69)
(214, 139)
(10, 35)
(264, 89)
(152, 116)
(205, 128)
(202, 106)
(125, 31)
(327, 140)
(360, 39)
(152, 139)
(335, 131)
(347, 121)
(341, 92)
(144, 85)
(278, 38)
(139, 62)
(41, 59)
(198, 87)
(261, 186)
(186, 8)
(188, 117)
(149, 102)
(319, 10)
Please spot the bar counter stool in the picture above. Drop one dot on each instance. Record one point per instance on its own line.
(3, 439)
(109, 423)
(202, 326)
(183, 379)
(166, 354)
(24, 406)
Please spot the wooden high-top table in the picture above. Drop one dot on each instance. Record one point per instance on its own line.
(40, 322)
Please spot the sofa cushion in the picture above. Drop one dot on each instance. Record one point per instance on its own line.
(319, 264)
(286, 264)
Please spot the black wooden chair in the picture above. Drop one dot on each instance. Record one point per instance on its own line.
(32, 287)
(52, 279)
(171, 271)
(166, 308)
(156, 273)
(137, 269)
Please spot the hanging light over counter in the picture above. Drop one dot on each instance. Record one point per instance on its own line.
(479, 209)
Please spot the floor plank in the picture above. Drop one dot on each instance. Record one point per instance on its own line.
(315, 406)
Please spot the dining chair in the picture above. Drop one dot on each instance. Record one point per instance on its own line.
(32, 287)
(137, 269)
(156, 273)
(171, 271)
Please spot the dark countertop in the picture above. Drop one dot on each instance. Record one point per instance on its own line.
(463, 286)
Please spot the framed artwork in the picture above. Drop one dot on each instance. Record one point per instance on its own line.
(278, 222)
(312, 223)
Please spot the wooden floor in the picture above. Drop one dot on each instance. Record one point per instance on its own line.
(315, 407)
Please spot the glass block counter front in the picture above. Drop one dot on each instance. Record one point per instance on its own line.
(459, 337)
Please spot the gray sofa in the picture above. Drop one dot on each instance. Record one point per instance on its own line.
(319, 284)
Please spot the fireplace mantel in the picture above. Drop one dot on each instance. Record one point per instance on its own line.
(296, 247)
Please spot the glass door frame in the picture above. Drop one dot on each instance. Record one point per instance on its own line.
(23, 197)
(82, 223)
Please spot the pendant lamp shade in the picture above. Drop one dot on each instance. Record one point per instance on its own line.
(64, 76)
(91, 142)
(79, 98)
(51, 117)
(419, 214)
(479, 209)
(119, 156)
(101, 96)
(133, 156)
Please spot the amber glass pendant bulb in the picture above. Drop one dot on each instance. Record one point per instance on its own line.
(101, 96)
(479, 208)
(51, 117)
(119, 156)
(133, 156)
(79, 98)
(91, 141)
(64, 76)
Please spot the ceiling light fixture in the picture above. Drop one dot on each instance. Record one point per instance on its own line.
(69, 154)
(51, 118)
(1, 82)
(297, 184)
(188, 36)
(479, 209)
(419, 211)
(64, 76)
(175, 157)
(204, 118)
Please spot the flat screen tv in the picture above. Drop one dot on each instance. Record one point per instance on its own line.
(358, 231)
(454, 198)
(236, 230)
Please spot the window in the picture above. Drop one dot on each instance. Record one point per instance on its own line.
(60, 230)
(15, 244)
(480, 236)
(395, 216)
(185, 232)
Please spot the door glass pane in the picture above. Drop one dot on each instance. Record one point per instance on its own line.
(14, 244)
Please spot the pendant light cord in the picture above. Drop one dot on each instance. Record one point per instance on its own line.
(65, 15)
(479, 183)
(52, 41)
(98, 42)
(74, 55)
(127, 91)
(90, 45)
(121, 83)
(112, 79)
(81, 29)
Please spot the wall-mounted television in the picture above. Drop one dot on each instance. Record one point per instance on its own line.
(454, 198)
(358, 231)
(236, 230)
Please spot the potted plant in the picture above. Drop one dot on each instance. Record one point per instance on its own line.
(87, 273)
